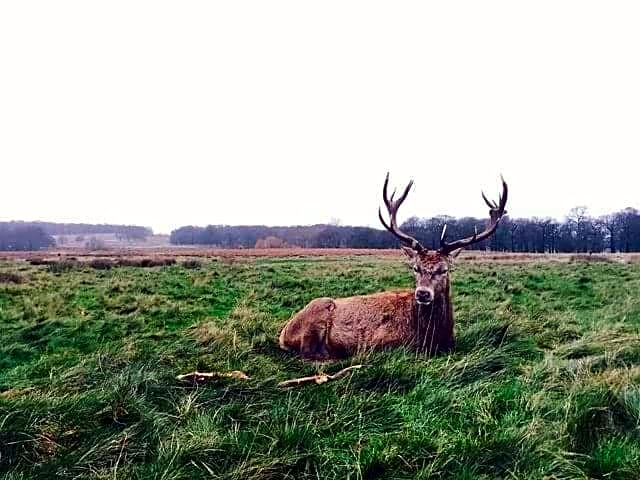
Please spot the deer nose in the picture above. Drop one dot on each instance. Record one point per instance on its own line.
(423, 295)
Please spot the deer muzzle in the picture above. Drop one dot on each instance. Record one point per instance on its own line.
(424, 295)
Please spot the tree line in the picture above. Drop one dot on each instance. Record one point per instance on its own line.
(578, 232)
(25, 237)
(17, 236)
(52, 228)
(308, 236)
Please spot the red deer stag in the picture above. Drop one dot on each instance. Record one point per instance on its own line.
(328, 329)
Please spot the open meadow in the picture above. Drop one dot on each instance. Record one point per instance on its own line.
(544, 381)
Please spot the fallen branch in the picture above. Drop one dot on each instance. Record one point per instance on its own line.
(199, 377)
(319, 378)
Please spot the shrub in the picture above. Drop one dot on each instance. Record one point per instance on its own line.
(191, 264)
(8, 277)
(146, 262)
(101, 263)
(94, 244)
(271, 242)
(589, 257)
(38, 261)
(61, 266)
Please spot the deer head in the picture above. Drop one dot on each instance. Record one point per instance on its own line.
(432, 267)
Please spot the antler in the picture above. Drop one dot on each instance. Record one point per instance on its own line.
(392, 208)
(496, 212)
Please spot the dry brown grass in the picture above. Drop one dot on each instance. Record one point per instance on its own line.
(100, 262)
(136, 257)
(144, 262)
(208, 332)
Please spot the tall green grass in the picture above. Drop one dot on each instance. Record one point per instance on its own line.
(544, 381)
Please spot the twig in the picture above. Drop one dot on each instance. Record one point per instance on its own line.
(198, 377)
(319, 378)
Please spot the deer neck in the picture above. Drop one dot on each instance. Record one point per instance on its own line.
(433, 324)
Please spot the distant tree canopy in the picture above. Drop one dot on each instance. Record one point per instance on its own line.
(132, 232)
(52, 228)
(39, 235)
(579, 232)
(27, 237)
(314, 236)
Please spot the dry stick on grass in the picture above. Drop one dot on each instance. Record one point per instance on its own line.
(198, 377)
(319, 378)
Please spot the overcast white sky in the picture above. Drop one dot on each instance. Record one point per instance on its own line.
(173, 113)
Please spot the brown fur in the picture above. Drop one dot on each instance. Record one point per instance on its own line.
(328, 329)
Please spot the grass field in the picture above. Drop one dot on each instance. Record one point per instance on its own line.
(544, 382)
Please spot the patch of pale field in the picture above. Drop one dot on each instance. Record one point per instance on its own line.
(70, 242)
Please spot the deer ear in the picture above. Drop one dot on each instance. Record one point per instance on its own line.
(455, 253)
(408, 251)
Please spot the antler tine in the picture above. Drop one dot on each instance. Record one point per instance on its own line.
(392, 207)
(504, 194)
(496, 212)
(489, 203)
(443, 237)
(382, 220)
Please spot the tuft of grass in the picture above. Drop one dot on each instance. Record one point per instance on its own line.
(544, 381)
(62, 266)
(10, 277)
(191, 263)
